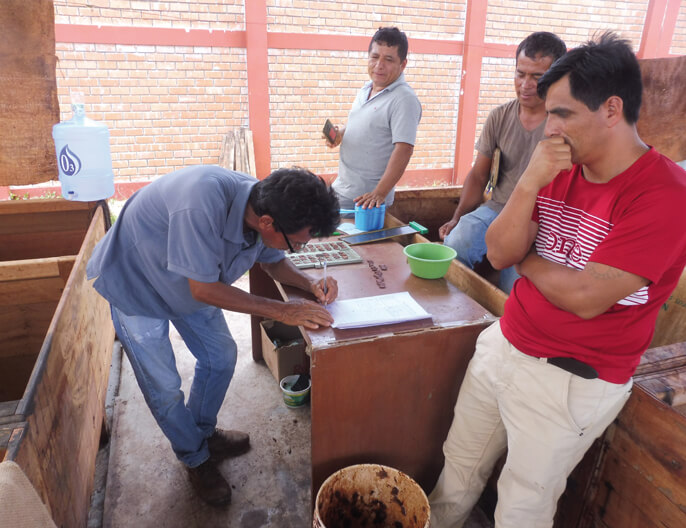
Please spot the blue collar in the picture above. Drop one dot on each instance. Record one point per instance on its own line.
(235, 220)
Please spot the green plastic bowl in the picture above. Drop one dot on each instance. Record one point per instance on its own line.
(429, 261)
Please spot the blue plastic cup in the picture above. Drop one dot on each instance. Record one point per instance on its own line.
(369, 219)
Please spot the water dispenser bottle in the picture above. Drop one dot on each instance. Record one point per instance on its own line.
(83, 156)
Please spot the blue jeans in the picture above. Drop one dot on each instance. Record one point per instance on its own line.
(147, 345)
(468, 238)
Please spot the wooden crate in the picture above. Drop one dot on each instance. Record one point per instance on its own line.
(56, 340)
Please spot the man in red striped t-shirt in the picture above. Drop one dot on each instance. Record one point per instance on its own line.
(596, 230)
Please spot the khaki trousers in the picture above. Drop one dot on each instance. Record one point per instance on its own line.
(545, 417)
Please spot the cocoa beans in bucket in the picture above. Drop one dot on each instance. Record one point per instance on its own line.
(370, 495)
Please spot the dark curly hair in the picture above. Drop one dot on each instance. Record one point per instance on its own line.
(296, 198)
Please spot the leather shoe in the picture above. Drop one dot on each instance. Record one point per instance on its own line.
(209, 484)
(223, 444)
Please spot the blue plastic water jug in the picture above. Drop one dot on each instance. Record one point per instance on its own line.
(83, 157)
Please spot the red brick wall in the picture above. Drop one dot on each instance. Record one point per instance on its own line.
(196, 14)
(170, 106)
(509, 21)
(307, 87)
(165, 106)
(421, 19)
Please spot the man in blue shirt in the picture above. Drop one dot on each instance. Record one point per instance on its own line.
(378, 140)
(171, 256)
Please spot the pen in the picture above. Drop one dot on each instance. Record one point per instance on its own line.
(326, 289)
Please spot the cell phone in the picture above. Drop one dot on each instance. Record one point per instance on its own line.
(330, 132)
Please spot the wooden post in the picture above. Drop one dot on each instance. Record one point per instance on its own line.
(258, 82)
(658, 29)
(475, 29)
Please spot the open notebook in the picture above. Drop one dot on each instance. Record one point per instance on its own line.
(376, 310)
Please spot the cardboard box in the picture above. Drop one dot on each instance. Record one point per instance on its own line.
(289, 357)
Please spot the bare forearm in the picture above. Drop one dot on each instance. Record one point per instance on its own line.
(395, 168)
(236, 300)
(471, 196)
(558, 284)
(510, 235)
(286, 272)
(586, 293)
(295, 312)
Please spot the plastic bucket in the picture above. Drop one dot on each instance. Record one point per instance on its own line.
(429, 261)
(83, 159)
(370, 495)
(369, 219)
(294, 398)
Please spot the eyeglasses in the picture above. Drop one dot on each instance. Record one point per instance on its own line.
(292, 247)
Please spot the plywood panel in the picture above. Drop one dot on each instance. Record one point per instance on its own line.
(671, 320)
(9, 435)
(661, 358)
(616, 510)
(663, 113)
(28, 92)
(430, 206)
(39, 245)
(628, 503)
(23, 327)
(32, 229)
(46, 206)
(641, 481)
(388, 401)
(31, 291)
(41, 221)
(64, 404)
(15, 372)
(34, 269)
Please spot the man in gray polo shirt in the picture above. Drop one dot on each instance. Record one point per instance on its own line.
(171, 256)
(378, 140)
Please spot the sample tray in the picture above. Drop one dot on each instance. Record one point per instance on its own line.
(315, 253)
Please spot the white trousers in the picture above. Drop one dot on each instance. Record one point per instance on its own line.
(545, 417)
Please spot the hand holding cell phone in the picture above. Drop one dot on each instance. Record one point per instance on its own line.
(331, 133)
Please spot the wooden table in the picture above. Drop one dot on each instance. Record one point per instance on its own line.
(385, 394)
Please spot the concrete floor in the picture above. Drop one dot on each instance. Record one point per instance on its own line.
(147, 486)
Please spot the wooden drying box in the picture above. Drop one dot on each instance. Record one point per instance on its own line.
(56, 339)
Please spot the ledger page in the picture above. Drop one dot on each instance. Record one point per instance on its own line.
(376, 310)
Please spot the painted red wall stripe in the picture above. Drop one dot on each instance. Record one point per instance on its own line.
(310, 41)
(124, 189)
(148, 36)
(151, 36)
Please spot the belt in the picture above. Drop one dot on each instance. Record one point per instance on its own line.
(576, 367)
